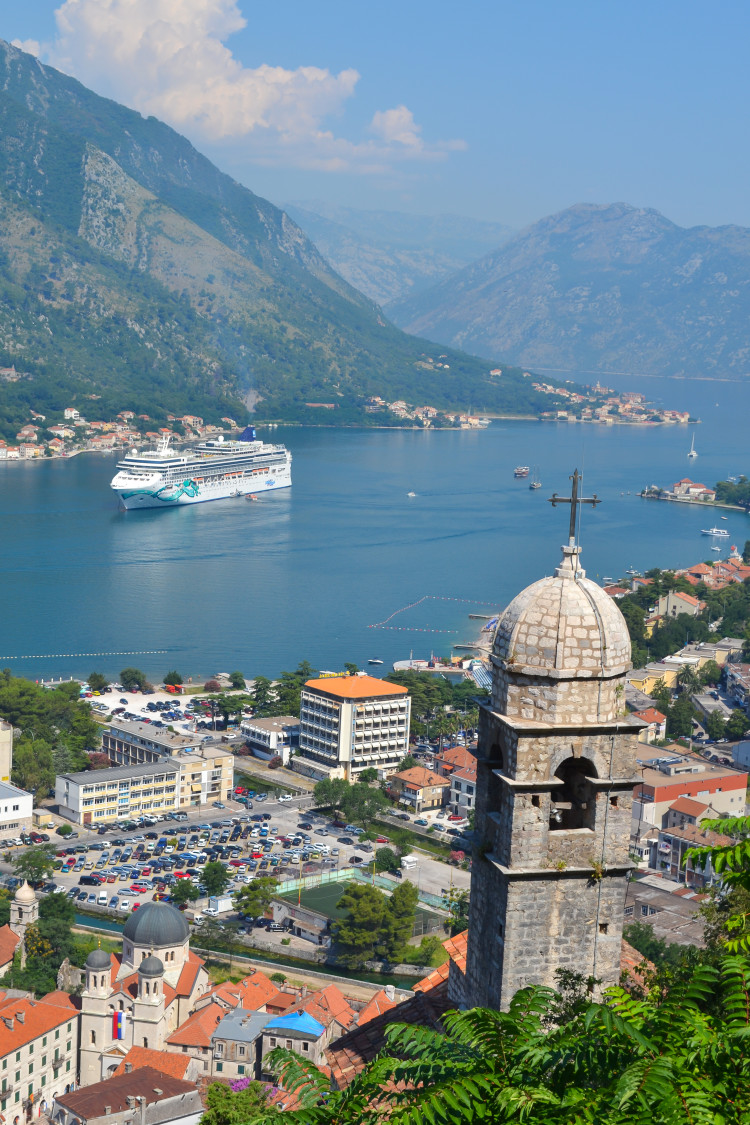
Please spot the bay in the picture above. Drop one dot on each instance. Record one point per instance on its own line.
(306, 573)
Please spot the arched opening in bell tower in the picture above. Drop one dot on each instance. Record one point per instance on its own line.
(574, 805)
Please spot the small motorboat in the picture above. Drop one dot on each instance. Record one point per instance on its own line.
(374, 660)
(251, 496)
(411, 494)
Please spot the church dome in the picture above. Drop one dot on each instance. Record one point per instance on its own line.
(25, 894)
(156, 924)
(98, 959)
(151, 966)
(564, 626)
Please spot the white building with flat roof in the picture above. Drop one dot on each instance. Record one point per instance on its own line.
(272, 737)
(352, 723)
(97, 796)
(16, 807)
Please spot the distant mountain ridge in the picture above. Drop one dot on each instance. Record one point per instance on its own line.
(600, 288)
(391, 255)
(132, 267)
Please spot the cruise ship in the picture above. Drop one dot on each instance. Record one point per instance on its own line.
(214, 470)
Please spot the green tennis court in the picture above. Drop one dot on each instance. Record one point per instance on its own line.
(325, 900)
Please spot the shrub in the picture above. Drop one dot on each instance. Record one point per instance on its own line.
(212, 685)
(276, 762)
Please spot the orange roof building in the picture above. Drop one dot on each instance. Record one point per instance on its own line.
(352, 723)
(46, 1032)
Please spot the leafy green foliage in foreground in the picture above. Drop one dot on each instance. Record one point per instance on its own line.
(659, 1061)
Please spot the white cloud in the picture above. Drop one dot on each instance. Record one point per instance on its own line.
(168, 58)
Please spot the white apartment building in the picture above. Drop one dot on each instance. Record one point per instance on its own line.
(97, 796)
(129, 743)
(352, 723)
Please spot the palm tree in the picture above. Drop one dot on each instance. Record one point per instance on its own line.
(688, 679)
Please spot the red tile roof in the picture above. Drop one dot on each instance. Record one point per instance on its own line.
(420, 777)
(455, 757)
(8, 944)
(29, 1019)
(166, 1062)
(455, 947)
(190, 971)
(689, 808)
(197, 1029)
(650, 715)
(327, 1005)
(380, 1003)
(349, 1054)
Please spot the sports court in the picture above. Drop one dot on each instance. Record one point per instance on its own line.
(325, 899)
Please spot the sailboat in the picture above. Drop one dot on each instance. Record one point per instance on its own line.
(536, 483)
(691, 451)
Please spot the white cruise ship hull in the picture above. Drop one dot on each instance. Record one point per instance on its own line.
(216, 470)
(188, 492)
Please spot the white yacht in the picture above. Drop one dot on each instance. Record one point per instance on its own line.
(719, 532)
(213, 470)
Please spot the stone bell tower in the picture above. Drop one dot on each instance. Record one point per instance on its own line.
(556, 759)
(24, 912)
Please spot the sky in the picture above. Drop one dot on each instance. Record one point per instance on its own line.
(483, 108)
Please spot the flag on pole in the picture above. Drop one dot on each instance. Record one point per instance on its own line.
(118, 1025)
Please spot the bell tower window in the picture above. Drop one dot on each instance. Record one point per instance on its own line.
(574, 805)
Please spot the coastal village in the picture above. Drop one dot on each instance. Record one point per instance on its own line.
(150, 1019)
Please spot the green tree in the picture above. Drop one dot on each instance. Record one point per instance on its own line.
(33, 769)
(255, 897)
(746, 553)
(228, 1106)
(680, 717)
(737, 725)
(688, 679)
(215, 877)
(363, 933)
(237, 680)
(458, 905)
(661, 696)
(262, 694)
(56, 917)
(407, 763)
(65, 830)
(98, 682)
(402, 908)
(35, 864)
(331, 793)
(132, 678)
(402, 840)
(710, 673)
(368, 776)
(387, 860)
(715, 725)
(350, 669)
(184, 891)
(362, 805)
(173, 679)
(4, 907)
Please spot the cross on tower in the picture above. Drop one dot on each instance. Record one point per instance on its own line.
(574, 500)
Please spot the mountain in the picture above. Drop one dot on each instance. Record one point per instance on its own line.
(597, 289)
(131, 267)
(391, 255)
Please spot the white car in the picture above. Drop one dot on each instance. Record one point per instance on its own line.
(285, 797)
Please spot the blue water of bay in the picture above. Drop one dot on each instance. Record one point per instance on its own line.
(306, 573)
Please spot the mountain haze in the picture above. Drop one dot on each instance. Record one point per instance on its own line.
(131, 266)
(391, 255)
(598, 289)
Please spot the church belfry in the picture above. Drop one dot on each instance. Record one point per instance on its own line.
(556, 758)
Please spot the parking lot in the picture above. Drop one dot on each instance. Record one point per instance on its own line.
(273, 836)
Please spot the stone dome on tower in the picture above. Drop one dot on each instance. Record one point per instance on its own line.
(151, 966)
(25, 895)
(98, 959)
(561, 630)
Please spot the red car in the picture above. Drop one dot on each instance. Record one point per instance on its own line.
(235, 863)
(139, 889)
(257, 855)
(382, 840)
(454, 816)
(146, 871)
(240, 790)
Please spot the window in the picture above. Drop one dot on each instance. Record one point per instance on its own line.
(242, 1050)
(219, 1068)
(272, 1041)
(288, 1044)
(44, 1060)
(31, 1068)
(18, 1056)
(574, 805)
(628, 911)
(57, 1033)
(240, 1070)
(305, 1046)
(93, 1037)
(67, 1065)
(44, 1041)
